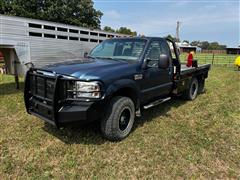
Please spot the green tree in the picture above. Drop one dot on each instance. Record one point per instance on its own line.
(222, 47)
(204, 44)
(125, 30)
(74, 12)
(216, 46)
(195, 43)
(186, 41)
(108, 29)
(213, 46)
(208, 45)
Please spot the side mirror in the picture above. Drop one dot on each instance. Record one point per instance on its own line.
(145, 63)
(163, 62)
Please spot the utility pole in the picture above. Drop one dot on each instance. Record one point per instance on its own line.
(177, 31)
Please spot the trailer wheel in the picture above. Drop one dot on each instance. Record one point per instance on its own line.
(119, 118)
(192, 91)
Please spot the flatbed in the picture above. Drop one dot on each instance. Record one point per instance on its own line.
(186, 70)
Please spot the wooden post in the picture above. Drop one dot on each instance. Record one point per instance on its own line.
(15, 70)
(17, 81)
(229, 60)
(212, 58)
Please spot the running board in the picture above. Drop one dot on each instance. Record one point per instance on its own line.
(157, 102)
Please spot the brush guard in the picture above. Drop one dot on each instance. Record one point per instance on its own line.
(37, 99)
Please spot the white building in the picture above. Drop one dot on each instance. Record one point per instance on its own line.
(24, 41)
(186, 47)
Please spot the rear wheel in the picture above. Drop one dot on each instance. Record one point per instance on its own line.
(201, 86)
(192, 91)
(119, 118)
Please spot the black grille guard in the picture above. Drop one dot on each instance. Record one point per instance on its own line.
(48, 74)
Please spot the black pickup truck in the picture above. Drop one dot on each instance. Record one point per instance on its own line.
(113, 83)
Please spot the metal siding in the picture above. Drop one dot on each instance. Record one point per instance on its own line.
(41, 50)
(50, 51)
(12, 22)
(10, 31)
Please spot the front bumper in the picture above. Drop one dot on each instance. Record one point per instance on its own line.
(53, 107)
(75, 112)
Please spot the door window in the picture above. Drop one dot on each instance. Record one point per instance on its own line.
(153, 54)
(156, 48)
(165, 49)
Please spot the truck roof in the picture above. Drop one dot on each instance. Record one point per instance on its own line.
(140, 37)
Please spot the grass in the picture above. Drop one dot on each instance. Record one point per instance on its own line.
(216, 59)
(178, 139)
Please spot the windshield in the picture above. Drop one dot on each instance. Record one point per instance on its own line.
(124, 49)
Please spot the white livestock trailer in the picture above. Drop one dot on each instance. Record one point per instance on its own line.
(25, 41)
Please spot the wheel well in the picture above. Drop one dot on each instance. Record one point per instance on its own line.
(130, 93)
(200, 78)
(201, 82)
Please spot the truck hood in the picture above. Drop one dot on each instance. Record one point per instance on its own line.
(93, 69)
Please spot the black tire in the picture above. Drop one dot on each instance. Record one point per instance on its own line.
(201, 84)
(192, 90)
(119, 118)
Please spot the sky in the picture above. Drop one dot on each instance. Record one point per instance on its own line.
(211, 20)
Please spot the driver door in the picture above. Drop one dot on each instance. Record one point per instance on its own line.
(157, 82)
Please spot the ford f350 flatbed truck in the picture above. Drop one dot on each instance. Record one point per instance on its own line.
(113, 83)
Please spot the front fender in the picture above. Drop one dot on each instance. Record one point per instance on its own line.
(120, 84)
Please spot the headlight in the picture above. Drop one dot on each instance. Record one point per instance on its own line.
(87, 89)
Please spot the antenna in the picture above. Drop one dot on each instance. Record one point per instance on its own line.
(177, 31)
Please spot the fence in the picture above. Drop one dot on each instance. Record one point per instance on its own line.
(212, 58)
(214, 51)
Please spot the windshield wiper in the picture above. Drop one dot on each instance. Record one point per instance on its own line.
(91, 57)
(117, 59)
(104, 58)
(110, 58)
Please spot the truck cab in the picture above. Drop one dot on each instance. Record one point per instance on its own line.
(113, 83)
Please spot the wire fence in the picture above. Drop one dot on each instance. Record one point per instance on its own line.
(211, 58)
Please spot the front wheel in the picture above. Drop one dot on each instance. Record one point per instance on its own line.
(119, 118)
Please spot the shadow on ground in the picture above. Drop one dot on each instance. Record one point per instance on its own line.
(10, 88)
(157, 111)
(91, 134)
